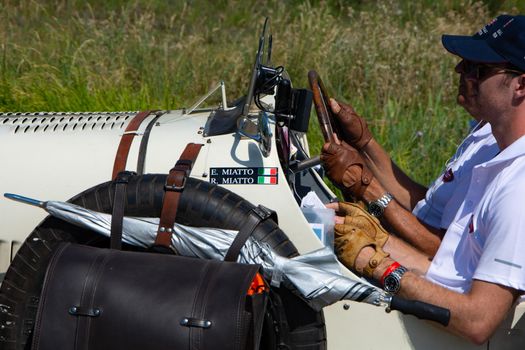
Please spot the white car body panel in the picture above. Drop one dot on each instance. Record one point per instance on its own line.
(56, 165)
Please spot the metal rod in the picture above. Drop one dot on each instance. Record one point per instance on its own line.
(25, 200)
(203, 98)
(305, 164)
(223, 93)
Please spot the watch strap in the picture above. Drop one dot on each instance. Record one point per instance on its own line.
(396, 276)
(382, 202)
(388, 271)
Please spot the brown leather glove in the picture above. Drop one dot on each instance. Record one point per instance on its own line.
(359, 218)
(348, 243)
(346, 168)
(354, 127)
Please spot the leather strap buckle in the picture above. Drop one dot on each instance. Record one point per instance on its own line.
(263, 212)
(123, 177)
(180, 172)
(174, 187)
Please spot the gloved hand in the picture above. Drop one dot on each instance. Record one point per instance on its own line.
(353, 126)
(349, 241)
(346, 168)
(359, 218)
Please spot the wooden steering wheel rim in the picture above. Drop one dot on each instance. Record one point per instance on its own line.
(322, 107)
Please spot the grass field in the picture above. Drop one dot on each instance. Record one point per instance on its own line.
(385, 57)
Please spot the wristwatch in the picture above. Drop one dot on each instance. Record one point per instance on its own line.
(377, 207)
(392, 282)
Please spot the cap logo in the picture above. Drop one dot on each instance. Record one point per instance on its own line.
(484, 30)
(497, 33)
(509, 22)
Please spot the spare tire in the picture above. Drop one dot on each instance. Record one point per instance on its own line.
(290, 322)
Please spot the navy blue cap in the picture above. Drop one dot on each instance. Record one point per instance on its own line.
(500, 41)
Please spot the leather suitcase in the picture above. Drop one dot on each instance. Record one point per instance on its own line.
(95, 298)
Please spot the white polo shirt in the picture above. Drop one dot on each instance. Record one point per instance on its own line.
(486, 240)
(436, 209)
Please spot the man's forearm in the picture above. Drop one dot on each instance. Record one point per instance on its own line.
(474, 315)
(394, 180)
(404, 223)
(410, 229)
(408, 256)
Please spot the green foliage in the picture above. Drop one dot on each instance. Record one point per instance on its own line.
(384, 57)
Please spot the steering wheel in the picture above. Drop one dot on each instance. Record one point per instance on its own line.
(326, 119)
(325, 116)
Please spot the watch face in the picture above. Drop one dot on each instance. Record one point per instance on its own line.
(375, 209)
(391, 284)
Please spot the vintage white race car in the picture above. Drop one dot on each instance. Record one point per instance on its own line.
(255, 147)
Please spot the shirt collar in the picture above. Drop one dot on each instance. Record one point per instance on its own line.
(514, 150)
(482, 130)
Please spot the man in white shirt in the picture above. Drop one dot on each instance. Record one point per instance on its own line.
(417, 214)
(479, 270)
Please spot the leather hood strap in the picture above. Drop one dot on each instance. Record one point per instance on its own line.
(172, 191)
(119, 205)
(255, 217)
(125, 143)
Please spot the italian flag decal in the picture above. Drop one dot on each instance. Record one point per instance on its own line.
(267, 171)
(244, 176)
(267, 176)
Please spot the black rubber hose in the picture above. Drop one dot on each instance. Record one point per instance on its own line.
(421, 310)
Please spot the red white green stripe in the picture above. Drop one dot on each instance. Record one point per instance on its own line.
(267, 171)
(267, 180)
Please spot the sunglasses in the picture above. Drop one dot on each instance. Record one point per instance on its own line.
(483, 70)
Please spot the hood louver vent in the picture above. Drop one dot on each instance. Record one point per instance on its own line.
(63, 121)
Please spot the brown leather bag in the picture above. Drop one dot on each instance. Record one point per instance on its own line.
(96, 298)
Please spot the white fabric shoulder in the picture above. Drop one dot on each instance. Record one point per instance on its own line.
(437, 209)
(485, 240)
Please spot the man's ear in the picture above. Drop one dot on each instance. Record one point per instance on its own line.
(520, 87)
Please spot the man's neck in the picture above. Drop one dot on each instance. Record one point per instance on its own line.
(508, 128)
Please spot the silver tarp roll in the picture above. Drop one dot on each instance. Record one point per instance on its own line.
(315, 275)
